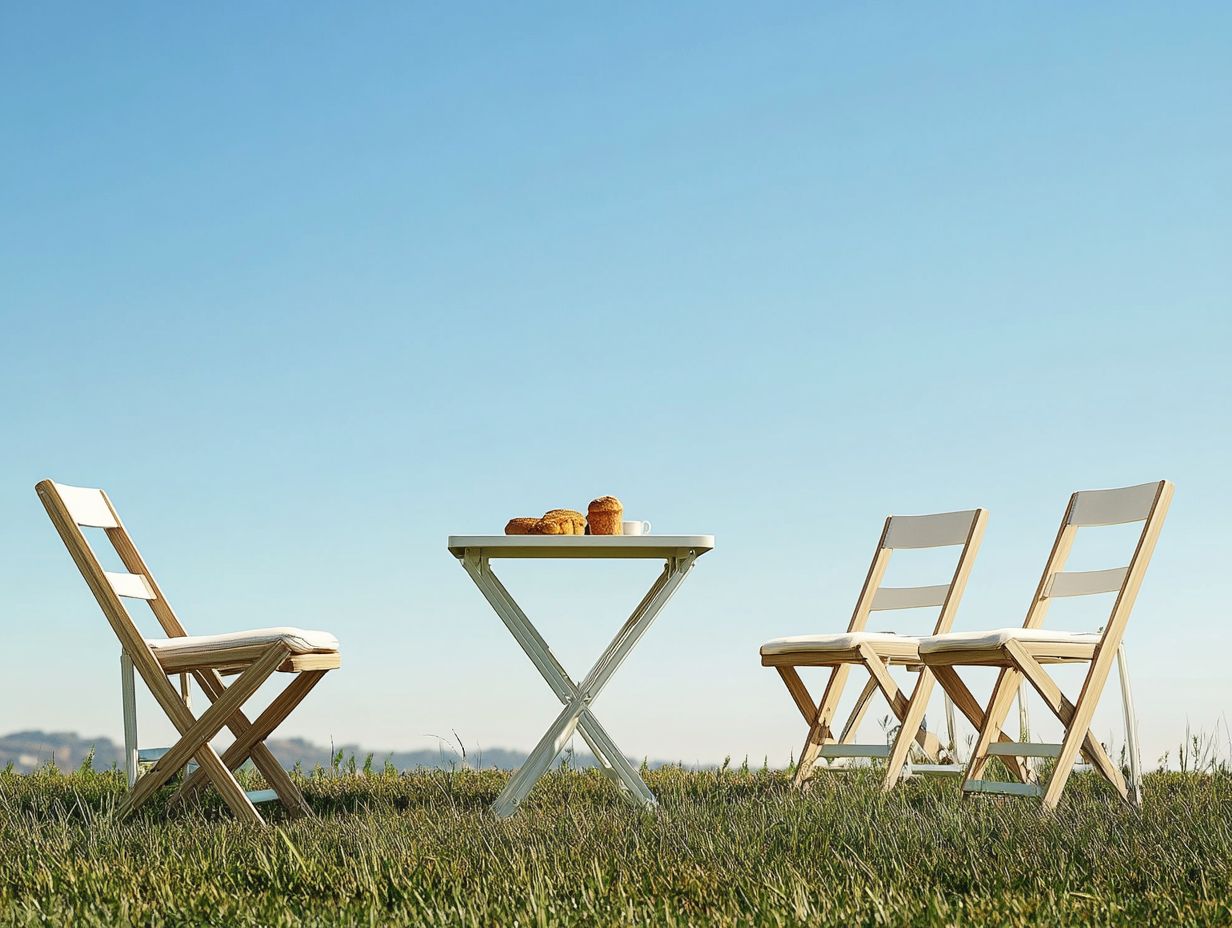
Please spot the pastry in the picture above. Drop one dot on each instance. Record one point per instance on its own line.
(552, 527)
(604, 516)
(572, 516)
(519, 526)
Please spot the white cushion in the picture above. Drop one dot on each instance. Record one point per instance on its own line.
(987, 640)
(298, 640)
(843, 641)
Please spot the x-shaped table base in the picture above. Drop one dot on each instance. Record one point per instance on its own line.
(576, 714)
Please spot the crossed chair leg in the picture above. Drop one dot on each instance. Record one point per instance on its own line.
(225, 712)
(908, 709)
(987, 724)
(1074, 717)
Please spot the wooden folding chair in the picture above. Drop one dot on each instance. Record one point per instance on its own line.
(253, 655)
(1023, 652)
(876, 652)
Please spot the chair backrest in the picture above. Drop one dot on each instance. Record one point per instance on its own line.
(940, 530)
(71, 509)
(1146, 503)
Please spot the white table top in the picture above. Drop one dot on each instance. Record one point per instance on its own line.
(648, 546)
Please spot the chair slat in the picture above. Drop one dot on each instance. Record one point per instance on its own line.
(1113, 507)
(909, 597)
(134, 586)
(1024, 749)
(854, 750)
(87, 506)
(932, 531)
(1085, 582)
(938, 770)
(999, 788)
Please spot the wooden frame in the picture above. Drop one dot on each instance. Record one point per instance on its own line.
(876, 654)
(1024, 658)
(71, 508)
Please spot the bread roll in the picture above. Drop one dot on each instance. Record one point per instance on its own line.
(519, 526)
(604, 516)
(552, 527)
(576, 520)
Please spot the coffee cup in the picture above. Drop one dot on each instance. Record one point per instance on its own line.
(635, 528)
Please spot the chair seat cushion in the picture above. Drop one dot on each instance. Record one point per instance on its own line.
(884, 642)
(299, 640)
(987, 640)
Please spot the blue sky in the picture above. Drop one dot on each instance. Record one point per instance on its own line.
(308, 289)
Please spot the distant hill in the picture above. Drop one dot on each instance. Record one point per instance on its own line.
(28, 750)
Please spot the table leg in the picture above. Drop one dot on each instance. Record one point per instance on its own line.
(600, 742)
(612, 761)
(576, 712)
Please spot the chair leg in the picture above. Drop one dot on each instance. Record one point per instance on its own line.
(1024, 714)
(1064, 710)
(966, 703)
(195, 737)
(1131, 731)
(899, 704)
(799, 693)
(819, 730)
(951, 730)
(1024, 726)
(908, 729)
(250, 738)
(852, 726)
(128, 691)
(1003, 694)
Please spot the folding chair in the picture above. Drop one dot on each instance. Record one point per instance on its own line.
(876, 652)
(253, 655)
(1023, 652)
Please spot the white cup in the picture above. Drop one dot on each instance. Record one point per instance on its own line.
(635, 528)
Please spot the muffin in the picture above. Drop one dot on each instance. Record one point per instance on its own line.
(519, 526)
(576, 520)
(547, 526)
(604, 516)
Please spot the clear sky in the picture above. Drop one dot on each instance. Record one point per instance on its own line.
(308, 288)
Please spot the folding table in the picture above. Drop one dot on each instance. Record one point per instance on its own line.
(476, 552)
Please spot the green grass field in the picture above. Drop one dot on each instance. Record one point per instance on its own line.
(732, 847)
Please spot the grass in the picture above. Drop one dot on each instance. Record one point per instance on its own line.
(732, 847)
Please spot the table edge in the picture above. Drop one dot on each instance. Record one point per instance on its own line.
(580, 543)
